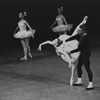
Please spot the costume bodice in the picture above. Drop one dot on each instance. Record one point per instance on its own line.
(22, 25)
(59, 20)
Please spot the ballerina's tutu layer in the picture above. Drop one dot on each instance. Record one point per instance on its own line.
(24, 34)
(60, 28)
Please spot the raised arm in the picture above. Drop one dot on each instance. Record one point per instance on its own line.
(46, 42)
(84, 21)
(78, 29)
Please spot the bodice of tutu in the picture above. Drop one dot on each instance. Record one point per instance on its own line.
(59, 20)
(22, 25)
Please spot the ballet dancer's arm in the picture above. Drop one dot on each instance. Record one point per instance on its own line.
(64, 20)
(53, 24)
(28, 25)
(78, 29)
(29, 28)
(46, 42)
(84, 20)
(16, 30)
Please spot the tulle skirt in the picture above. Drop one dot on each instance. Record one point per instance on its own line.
(60, 28)
(67, 49)
(24, 34)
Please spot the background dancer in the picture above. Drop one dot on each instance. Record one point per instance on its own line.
(24, 35)
(63, 26)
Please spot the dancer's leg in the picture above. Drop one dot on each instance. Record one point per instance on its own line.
(28, 47)
(72, 74)
(24, 49)
(86, 62)
(79, 70)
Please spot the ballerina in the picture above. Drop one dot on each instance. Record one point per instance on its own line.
(63, 26)
(24, 35)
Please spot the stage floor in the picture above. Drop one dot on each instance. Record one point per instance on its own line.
(44, 77)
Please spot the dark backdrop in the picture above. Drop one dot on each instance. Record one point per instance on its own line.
(41, 14)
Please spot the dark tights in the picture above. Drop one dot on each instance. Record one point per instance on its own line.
(84, 60)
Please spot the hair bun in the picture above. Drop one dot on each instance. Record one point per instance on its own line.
(24, 13)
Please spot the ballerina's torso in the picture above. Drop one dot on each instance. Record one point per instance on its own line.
(70, 45)
(22, 25)
(59, 20)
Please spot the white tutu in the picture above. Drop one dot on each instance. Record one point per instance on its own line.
(60, 28)
(67, 47)
(24, 34)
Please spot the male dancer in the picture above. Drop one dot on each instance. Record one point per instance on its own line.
(84, 58)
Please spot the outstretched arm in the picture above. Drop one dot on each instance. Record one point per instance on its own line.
(46, 42)
(84, 21)
(78, 29)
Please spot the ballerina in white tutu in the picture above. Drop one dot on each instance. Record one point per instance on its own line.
(64, 52)
(24, 35)
(63, 26)
(64, 48)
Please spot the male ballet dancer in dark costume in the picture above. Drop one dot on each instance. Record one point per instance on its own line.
(84, 58)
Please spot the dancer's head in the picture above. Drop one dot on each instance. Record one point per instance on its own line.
(22, 15)
(55, 42)
(83, 27)
(60, 10)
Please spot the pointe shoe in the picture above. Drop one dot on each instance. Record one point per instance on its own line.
(71, 81)
(30, 55)
(24, 58)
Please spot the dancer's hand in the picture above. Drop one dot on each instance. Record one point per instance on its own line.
(70, 66)
(33, 32)
(85, 19)
(39, 48)
(32, 36)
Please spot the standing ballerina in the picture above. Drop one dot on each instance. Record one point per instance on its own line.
(63, 26)
(23, 34)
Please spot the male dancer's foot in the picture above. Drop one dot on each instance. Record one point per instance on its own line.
(78, 83)
(90, 86)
